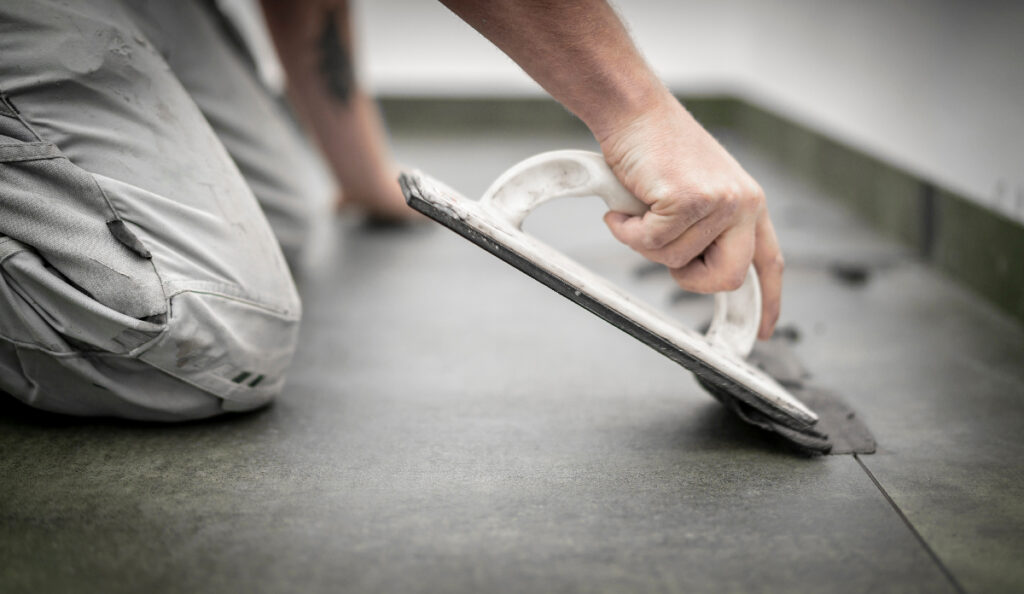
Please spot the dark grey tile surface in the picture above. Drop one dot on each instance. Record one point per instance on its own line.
(361, 489)
(939, 381)
(937, 372)
(451, 425)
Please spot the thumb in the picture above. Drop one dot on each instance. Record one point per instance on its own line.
(615, 222)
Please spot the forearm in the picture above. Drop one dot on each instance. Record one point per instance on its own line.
(314, 41)
(707, 219)
(578, 50)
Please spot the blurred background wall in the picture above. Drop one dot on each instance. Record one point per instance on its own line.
(935, 87)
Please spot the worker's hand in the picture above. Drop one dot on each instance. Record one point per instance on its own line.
(707, 219)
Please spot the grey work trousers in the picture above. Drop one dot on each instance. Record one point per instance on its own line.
(148, 182)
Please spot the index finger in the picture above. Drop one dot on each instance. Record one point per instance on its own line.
(769, 264)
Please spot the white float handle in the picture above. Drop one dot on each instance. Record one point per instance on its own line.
(572, 173)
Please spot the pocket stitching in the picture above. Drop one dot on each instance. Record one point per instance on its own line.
(48, 150)
(28, 151)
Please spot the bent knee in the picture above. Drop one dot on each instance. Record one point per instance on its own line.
(229, 346)
(218, 353)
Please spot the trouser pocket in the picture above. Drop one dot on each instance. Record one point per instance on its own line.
(86, 252)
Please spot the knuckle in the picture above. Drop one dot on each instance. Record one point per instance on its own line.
(653, 239)
(778, 263)
(757, 199)
(774, 264)
(699, 201)
(759, 196)
(660, 194)
(729, 200)
(729, 206)
(744, 196)
(750, 200)
(755, 191)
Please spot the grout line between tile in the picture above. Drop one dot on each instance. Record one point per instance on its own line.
(931, 553)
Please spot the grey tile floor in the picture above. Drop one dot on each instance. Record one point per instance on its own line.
(453, 426)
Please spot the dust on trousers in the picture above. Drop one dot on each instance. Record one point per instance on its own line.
(150, 190)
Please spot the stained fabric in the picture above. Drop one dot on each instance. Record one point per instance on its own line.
(139, 160)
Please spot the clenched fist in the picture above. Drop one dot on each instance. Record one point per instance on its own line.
(707, 220)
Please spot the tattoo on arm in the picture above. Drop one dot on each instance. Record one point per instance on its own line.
(336, 57)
